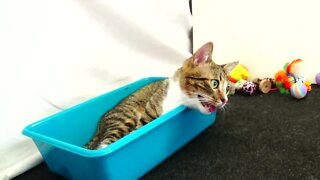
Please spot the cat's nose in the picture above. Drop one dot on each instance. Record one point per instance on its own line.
(224, 100)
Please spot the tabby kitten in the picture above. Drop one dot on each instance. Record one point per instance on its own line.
(199, 83)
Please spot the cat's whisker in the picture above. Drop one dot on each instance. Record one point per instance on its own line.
(226, 108)
(223, 112)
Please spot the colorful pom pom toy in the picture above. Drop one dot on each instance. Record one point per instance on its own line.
(288, 81)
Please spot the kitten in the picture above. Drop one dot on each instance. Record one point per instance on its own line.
(199, 83)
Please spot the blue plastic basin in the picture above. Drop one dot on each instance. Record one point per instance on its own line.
(61, 136)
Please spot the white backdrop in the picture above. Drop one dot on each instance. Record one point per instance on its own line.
(262, 35)
(57, 53)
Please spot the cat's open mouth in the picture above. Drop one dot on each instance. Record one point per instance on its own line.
(206, 105)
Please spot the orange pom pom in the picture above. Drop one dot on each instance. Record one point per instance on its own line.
(280, 75)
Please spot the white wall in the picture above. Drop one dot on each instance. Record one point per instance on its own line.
(262, 35)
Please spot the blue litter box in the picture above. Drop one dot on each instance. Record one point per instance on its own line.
(61, 136)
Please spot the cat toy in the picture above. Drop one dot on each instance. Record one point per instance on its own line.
(299, 90)
(318, 78)
(265, 85)
(249, 88)
(239, 84)
(238, 73)
(239, 76)
(288, 81)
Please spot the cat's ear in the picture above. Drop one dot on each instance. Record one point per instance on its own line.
(203, 54)
(229, 67)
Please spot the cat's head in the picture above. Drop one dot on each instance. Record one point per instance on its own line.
(203, 81)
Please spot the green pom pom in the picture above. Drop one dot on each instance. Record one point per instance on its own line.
(279, 84)
(287, 92)
(285, 66)
(284, 91)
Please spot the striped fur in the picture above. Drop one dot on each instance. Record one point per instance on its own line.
(135, 111)
(199, 84)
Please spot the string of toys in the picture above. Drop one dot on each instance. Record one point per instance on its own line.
(286, 81)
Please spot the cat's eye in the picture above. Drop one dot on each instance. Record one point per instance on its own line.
(214, 84)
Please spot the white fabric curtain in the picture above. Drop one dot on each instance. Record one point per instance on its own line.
(57, 53)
